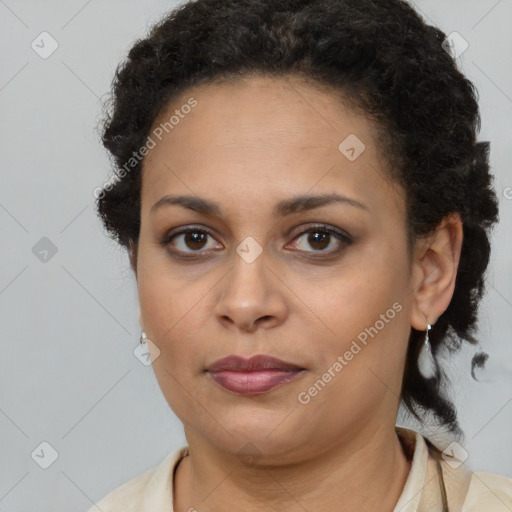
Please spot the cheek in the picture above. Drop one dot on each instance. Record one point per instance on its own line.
(354, 298)
(172, 311)
(363, 318)
(168, 313)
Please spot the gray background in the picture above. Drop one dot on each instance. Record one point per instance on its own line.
(68, 375)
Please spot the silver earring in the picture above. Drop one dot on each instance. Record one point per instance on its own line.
(426, 362)
(143, 338)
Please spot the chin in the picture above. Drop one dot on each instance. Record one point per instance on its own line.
(258, 441)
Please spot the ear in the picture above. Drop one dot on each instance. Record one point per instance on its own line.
(435, 265)
(132, 252)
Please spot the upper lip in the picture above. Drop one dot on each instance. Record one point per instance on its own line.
(254, 363)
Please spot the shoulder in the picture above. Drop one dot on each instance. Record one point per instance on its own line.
(463, 489)
(473, 491)
(151, 487)
(489, 492)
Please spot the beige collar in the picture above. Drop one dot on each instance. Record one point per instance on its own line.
(431, 479)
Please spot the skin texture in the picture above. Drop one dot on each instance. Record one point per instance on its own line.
(246, 146)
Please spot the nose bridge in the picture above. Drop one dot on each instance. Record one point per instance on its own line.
(250, 291)
(248, 280)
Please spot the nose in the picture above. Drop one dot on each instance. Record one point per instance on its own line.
(251, 297)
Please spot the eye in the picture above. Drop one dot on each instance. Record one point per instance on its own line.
(321, 238)
(195, 240)
(191, 238)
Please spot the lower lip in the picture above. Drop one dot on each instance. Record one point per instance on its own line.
(253, 382)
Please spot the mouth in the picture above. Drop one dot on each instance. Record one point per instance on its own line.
(256, 375)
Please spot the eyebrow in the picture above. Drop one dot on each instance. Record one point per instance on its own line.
(285, 207)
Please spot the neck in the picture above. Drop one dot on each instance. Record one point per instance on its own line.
(366, 474)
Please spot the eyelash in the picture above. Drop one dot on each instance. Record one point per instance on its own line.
(340, 235)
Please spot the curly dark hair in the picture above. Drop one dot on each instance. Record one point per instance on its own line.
(385, 61)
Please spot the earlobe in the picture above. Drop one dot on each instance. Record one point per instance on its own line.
(435, 270)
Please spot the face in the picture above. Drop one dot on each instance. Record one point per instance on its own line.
(322, 284)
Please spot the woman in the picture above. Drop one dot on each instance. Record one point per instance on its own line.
(307, 214)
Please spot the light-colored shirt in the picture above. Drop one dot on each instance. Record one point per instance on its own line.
(430, 479)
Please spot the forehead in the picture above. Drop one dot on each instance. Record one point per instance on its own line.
(272, 136)
(249, 110)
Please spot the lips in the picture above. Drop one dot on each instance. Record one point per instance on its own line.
(255, 375)
(255, 363)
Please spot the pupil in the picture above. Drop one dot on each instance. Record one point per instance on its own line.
(195, 238)
(319, 237)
